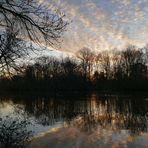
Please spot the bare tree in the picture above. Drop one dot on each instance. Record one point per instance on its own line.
(145, 54)
(32, 20)
(69, 66)
(129, 58)
(105, 63)
(47, 67)
(87, 60)
(11, 49)
(23, 21)
(116, 65)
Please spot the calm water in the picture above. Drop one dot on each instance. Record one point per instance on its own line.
(88, 121)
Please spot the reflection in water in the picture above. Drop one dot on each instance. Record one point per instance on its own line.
(109, 118)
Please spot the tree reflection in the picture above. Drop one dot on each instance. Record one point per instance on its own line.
(90, 113)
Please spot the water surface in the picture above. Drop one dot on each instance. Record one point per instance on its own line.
(94, 120)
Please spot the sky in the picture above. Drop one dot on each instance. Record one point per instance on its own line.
(103, 24)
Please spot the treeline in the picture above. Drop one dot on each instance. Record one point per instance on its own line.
(115, 70)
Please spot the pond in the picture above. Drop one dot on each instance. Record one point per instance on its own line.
(71, 121)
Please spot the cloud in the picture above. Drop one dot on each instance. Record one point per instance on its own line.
(100, 27)
(125, 2)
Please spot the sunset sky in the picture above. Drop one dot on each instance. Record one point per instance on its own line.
(103, 24)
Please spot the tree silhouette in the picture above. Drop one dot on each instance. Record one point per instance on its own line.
(32, 20)
(23, 22)
(87, 58)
